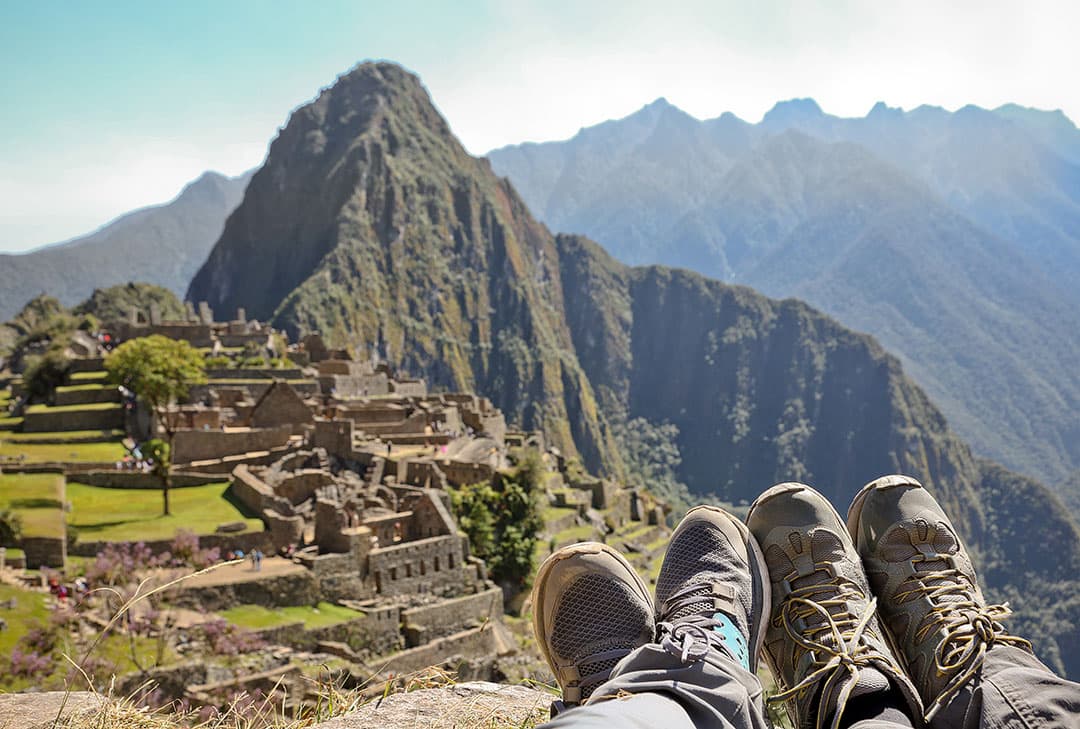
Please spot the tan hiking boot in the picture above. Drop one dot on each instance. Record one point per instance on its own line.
(930, 600)
(712, 591)
(823, 642)
(590, 609)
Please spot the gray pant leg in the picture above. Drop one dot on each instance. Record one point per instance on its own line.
(653, 689)
(1014, 690)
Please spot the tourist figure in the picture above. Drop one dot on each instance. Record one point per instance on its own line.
(256, 558)
(915, 644)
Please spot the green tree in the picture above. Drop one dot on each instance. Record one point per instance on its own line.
(159, 371)
(502, 521)
(44, 373)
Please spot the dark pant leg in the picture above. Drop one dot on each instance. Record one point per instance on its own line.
(654, 689)
(1012, 690)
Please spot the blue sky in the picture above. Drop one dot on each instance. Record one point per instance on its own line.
(110, 106)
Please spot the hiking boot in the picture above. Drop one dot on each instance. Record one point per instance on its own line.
(712, 589)
(930, 599)
(823, 641)
(590, 609)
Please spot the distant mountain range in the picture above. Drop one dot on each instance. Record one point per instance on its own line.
(954, 238)
(371, 224)
(163, 244)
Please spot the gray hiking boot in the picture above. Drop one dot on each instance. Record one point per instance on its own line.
(712, 590)
(823, 642)
(930, 599)
(590, 609)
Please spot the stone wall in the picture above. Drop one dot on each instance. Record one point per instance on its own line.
(81, 397)
(460, 474)
(435, 565)
(256, 495)
(112, 479)
(424, 624)
(409, 388)
(489, 639)
(44, 421)
(301, 485)
(280, 405)
(376, 633)
(348, 387)
(284, 530)
(292, 589)
(224, 542)
(44, 551)
(255, 373)
(340, 576)
(202, 445)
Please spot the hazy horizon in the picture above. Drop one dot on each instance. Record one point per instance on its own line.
(119, 108)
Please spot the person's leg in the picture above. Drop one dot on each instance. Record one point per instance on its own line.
(711, 598)
(827, 652)
(969, 671)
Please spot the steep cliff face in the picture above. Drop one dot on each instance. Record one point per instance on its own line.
(370, 223)
(763, 391)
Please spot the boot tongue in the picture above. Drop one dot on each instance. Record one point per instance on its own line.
(933, 543)
(870, 681)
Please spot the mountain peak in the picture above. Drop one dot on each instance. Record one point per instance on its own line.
(881, 110)
(793, 111)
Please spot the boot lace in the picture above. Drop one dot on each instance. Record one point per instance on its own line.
(970, 629)
(691, 636)
(818, 619)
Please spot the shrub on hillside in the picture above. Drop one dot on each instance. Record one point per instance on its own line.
(45, 372)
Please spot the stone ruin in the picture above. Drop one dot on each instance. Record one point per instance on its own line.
(364, 537)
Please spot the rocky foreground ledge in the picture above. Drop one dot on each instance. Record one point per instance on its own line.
(474, 705)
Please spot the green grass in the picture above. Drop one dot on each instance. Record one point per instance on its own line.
(256, 617)
(36, 497)
(554, 513)
(30, 608)
(60, 435)
(31, 611)
(575, 534)
(102, 514)
(10, 422)
(14, 552)
(73, 408)
(95, 375)
(62, 452)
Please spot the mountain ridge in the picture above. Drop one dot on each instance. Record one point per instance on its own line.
(746, 203)
(420, 251)
(160, 244)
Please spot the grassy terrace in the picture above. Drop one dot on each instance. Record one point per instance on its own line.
(256, 617)
(33, 452)
(87, 377)
(131, 515)
(88, 387)
(553, 513)
(73, 408)
(257, 381)
(37, 498)
(62, 435)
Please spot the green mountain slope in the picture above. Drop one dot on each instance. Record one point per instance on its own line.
(951, 237)
(370, 223)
